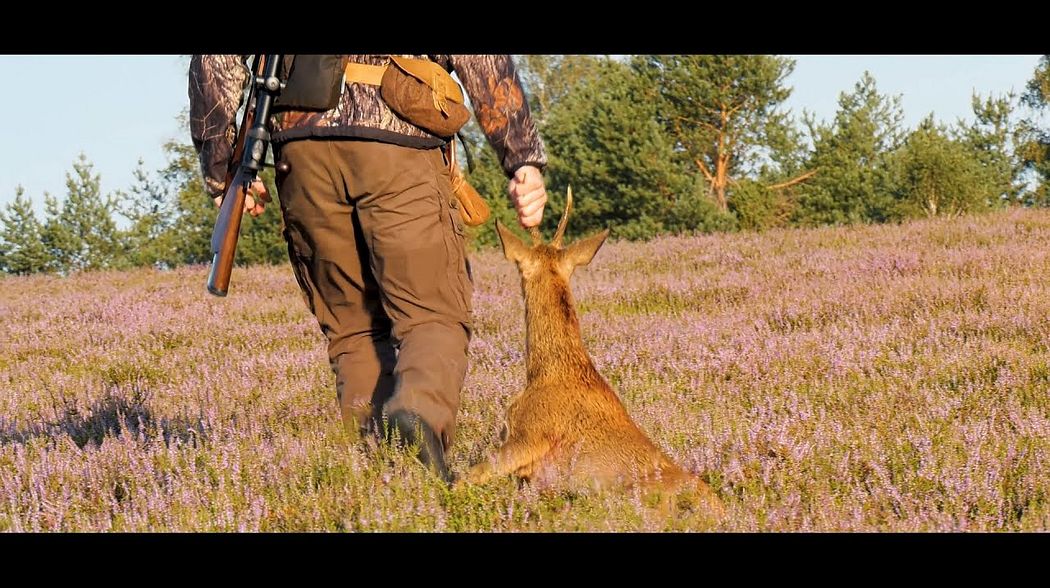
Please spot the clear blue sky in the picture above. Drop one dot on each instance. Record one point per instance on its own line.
(119, 108)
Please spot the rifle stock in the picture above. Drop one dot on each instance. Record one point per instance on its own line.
(224, 237)
(243, 170)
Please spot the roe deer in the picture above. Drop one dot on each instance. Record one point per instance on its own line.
(569, 425)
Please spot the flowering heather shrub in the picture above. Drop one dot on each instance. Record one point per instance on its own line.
(865, 378)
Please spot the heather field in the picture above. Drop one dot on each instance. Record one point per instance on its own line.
(890, 378)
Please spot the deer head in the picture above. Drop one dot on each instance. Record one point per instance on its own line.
(540, 258)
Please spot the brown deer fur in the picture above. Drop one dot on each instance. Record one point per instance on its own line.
(569, 425)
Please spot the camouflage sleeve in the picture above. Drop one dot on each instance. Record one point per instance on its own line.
(492, 84)
(216, 90)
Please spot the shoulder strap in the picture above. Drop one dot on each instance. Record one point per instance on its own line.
(365, 74)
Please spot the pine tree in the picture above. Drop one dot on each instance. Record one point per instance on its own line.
(1033, 135)
(80, 234)
(854, 181)
(724, 115)
(22, 250)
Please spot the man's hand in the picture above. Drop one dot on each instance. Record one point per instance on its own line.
(251, 205)
(529, 195)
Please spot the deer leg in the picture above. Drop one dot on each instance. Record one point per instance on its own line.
(514, 455)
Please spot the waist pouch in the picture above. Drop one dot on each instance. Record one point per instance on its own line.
(419, 91)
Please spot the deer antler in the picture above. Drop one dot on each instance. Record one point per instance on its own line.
(556, 241)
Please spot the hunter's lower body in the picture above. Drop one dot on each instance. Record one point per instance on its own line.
(378, 249)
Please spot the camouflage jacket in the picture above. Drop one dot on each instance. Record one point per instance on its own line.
(217, 86)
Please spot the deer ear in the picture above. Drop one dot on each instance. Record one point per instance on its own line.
(582, 251)
(513, 247)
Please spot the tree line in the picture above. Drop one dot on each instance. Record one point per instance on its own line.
(651, 145)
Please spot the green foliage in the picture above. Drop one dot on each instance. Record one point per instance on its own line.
(170, 221)
(260, 238)
(195, 209)
(854, 180)
(757, 207)
(1033, 136)
(606, 142)
(989, 139)
(22, 249)
(81, 234)
(549, 78)
(942, 177)
(149, 240)
(722, 113)
(650, 145)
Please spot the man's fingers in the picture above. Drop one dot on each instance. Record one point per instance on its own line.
(523, 183)
(531, 198)
(255, 198)
(251, 205)
(528, 194)
(533, 208)
(531, 214)
(522, 189)
(513, 187)
(532, 218)
(260, 190)
(530, 221)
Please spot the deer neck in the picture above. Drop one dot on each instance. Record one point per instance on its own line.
(554, 346)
